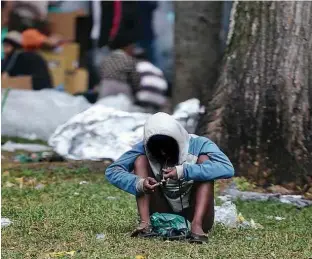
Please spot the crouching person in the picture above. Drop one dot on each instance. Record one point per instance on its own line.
(187, 164)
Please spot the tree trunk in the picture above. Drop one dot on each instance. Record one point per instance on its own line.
(260, 113)
(197, 48)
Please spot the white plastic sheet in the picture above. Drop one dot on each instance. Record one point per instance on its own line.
(227, 215)
(232, 194)
(103, 132)
(11, 146)
(36, 114)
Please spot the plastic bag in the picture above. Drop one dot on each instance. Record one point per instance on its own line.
(103, 132)
(232, 193)
(36, 114)
(226, 214)
(5, 222)
(165, 223)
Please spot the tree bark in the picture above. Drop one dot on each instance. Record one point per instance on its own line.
(197, 48)
(260, 113)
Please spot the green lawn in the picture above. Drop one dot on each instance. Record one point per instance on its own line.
(65, 216)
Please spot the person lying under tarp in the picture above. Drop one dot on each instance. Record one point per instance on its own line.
(18, 62)
(172, 171)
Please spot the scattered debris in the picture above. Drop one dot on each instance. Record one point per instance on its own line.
(226, 214)
(296, 200)
(39, 186)
(232, 193)
(76, 193)
(11, 146)
(140, 257)
(23, 158)
(9, 184)
(111, 198)
(100, 236)
(5, 222)
(276, 218)
(255, 225)
(38, 157)
(83, 182)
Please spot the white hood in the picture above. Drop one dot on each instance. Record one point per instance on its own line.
(164, 124)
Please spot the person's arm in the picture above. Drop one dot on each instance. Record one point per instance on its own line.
(218, 166)
(119, 173)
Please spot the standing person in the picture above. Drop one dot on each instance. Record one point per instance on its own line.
(189, 164)
(147, 35)
(18, 62)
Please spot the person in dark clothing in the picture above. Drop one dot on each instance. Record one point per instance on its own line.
(147, 36)
(18, 62)
(107, 19)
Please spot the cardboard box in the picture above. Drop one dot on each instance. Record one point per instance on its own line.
(77, 81)
(56, 65)
(61, 61)
(17, 82)
(64, 24)
(71, 51)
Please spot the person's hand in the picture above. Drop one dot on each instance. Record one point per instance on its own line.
(170, 173)
(149, 184)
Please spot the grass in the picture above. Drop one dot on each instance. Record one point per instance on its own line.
(65, 216)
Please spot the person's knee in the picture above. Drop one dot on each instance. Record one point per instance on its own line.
(141, 164)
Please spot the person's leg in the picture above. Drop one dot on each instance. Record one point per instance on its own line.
(201, 212)
(148, 203)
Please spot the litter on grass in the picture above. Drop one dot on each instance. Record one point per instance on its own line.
(38, 157)
(227, 215)
(232, 194)
(111, 198)
(5, 222)
(276, 218)
(9, 184)
(39, 186)
(100, 236)
(83, 182)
